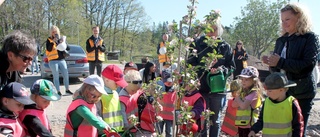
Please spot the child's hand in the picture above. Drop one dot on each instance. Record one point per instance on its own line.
(252, 134)
(107, 128)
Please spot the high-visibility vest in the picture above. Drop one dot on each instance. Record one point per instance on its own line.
(249, 115)
(111, 111)
(148, 115)
(163, 58)
(14, 125)
(191, 100)
(53, 54)
(277, 118)
(92, 55)
(85, 129)
(167, 104)
(228, 125)
(125, 101)
(41, 114)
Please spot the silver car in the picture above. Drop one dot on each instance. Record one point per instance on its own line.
(77, 63)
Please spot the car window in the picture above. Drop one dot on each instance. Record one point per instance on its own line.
(75, 49)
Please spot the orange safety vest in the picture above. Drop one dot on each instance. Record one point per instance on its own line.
(125, 101)
(85, 129)
(92, 55)
(228, 125)
(148, 115)
(14, 125)
(191, 100)
(167, 103)
(163, 58)
(53, 54)
(41, 114)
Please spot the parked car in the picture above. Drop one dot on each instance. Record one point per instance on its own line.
(77, 63)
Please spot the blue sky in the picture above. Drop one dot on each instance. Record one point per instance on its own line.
(167, 10)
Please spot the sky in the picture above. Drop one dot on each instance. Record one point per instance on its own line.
(168, 10)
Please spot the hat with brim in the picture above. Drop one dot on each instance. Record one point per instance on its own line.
(18, 92)
(114, 73)
(45, 89)
(97, 82)
(278, 80)
(249, 72)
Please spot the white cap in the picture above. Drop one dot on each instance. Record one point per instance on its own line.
(97, 82)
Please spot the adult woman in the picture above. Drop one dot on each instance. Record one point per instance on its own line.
(215, 101)
(240, 57)
(16, 54)
(56, 60)
(148, 72)
(295, 55)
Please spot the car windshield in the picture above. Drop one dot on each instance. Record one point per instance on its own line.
(75, 49)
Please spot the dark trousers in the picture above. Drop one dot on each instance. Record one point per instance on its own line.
(306, 106)
(93, 65)
(243, 132)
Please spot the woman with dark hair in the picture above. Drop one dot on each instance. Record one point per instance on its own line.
(148, 72)
(240, 58)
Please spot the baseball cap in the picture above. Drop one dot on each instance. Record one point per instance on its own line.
(97, 82)
(130, 65)
(45, 89)
(114, 73)
(278, 80)
(166, 75)
(249, 72)
(18, 92)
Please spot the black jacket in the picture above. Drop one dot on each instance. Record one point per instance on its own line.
(4, 79)
(301, 57)
(227, 61)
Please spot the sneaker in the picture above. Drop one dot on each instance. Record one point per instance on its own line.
(59, 93)
(68, 92)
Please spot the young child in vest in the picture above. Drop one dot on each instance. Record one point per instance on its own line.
(13, 97)
(198, 104)
(280, 114)
(82, 120)
(228, 125)
(167, 102)
(34, 118)
(109, 108)
(134, 81)
(249, 100)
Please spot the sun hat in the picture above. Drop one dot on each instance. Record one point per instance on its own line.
(278, 80)
(97, 82)
(249, 72)
(114, 73)
(18, 92)
(45, 89)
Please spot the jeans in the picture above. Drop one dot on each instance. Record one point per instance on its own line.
(168, 124)
(56, 66)
(215, 103)
(306, 106)
(93, 65)
(35, 64)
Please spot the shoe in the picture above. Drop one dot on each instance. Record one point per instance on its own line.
(68, 92)
(59, 93)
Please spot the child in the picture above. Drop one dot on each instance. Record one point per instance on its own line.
(33, 118)
(198, 104)
(168, 100)
(13, 97)
(249, 100)
(281, 114)
(109, 108)
(81, 114)
(130, 66)
(228, 124)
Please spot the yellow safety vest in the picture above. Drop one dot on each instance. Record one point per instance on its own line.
(277, 118)
(91, 55)
(53, 54)
(249, 115)
(163, 58)
(111, 111)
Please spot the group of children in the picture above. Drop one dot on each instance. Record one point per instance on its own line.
(104, 104)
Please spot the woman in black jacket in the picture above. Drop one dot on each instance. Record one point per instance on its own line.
(240, 58)
(295, 55)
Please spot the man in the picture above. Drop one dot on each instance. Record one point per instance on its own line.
(95, 51)
(161, 50)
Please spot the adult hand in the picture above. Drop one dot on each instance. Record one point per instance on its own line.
(240, 57)
(214, 70)
(273, 60)
(265, 59)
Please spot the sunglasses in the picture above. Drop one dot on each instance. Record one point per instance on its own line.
(25, 58)
(135, 82)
